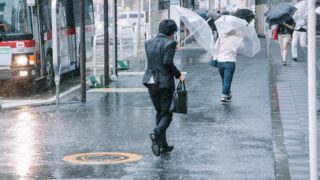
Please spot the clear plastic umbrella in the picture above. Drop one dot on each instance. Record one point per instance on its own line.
(198, 28)
(251, 44)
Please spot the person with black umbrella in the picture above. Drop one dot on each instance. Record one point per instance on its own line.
(280, 17)
(285, 31)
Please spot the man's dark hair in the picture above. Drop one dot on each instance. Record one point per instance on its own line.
(167, 27)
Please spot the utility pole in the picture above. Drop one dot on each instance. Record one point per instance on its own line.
(82, 53)
(312, 90)
(106, 42)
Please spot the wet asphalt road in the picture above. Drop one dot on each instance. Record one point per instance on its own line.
(211, 142)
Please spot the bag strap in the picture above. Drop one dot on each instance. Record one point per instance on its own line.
(181, 86)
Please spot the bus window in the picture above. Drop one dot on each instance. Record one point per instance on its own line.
(15, 16)
(88, 14)
(63, 17)
(45, 15)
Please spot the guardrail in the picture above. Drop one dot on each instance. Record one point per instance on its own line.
(94, 56)
(133, 43)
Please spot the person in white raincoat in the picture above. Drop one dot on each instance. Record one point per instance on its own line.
(300, 30)
(225, 49)
(235, 36)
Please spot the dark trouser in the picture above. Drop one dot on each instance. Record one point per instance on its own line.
(226, 70)
(162, 99)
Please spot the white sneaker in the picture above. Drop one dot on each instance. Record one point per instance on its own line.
(225, 100)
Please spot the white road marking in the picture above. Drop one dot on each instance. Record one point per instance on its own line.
(6, 104)
(16, 103)
(117, 90)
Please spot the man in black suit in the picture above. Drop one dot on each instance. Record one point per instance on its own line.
(159, 79)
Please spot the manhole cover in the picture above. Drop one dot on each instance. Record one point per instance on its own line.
(101, 158)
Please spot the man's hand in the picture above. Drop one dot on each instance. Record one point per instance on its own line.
(182, 78)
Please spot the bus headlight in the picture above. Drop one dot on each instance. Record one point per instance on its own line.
(21, 60)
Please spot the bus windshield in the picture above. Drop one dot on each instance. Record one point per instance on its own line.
(15, 17)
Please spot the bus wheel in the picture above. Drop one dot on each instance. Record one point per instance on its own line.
(49, 72)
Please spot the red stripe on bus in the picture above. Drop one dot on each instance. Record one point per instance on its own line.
(68, 31)
(13, 44)
(64, 32)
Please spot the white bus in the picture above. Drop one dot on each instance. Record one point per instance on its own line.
(26, 38)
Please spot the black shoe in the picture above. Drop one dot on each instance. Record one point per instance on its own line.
(229, 97)
(284, 63)
(155, 143)
(166, 149)
(294, 59)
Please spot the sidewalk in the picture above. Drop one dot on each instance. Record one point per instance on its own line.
(292, 90)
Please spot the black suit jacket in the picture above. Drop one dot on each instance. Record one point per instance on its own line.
(160, 52)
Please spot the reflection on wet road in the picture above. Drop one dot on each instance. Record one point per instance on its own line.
(211, 142)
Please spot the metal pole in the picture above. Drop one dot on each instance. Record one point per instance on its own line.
(139, 26)
(82, 53)
(312, 93)
(55, 59)
(169, 9)
(94, 55)
(121, 42)
(106, 42)
(115, 43)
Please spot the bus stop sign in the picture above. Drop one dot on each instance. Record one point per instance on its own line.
(31, 2)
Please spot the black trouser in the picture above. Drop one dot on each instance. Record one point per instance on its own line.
(162, 99)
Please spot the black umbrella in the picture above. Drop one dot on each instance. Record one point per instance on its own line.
(245, 14)
(213, 16)
(280, 14)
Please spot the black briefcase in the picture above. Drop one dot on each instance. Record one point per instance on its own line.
(180, 100)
